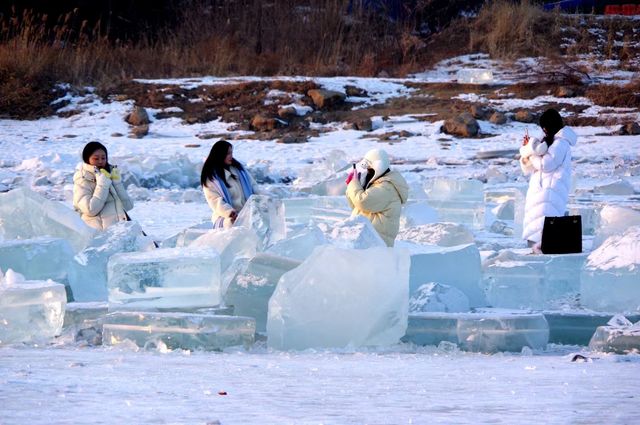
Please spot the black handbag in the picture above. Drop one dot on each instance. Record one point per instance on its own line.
(562, 235)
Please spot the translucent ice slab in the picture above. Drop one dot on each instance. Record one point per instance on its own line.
(442, 234)
(576, 327)
(434, 297)
(609, 280)
(620, 336)
(301, 244)
(164, 278)
(518, 279)
(31, 311)
(457, 200)
(417, 213)
(341, 297)
(88, 271)
(474, 76)
(233, 243)
(457, 266)
(353, 233)
(82, 315)
(487, 331)
(614, 220)
(318, 209)
(24, 214)
(252, 287)
(265, 215)
(153, 330)
(37, 259)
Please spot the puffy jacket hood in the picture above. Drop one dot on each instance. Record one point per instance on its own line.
(567, 134)
(399, 183)
(376, 159)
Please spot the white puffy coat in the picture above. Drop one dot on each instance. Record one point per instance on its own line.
(99, 205)
(381, 203)
(215, 198)
(550, 181)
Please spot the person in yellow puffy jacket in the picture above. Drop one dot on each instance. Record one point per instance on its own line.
(378, 194)
(98, 193)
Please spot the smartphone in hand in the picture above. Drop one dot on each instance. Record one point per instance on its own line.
(525, 140)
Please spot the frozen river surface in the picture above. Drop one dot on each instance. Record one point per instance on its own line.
(85, 385)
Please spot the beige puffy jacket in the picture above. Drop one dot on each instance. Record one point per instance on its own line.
(381, 203)
(215, 198)
(99, 205)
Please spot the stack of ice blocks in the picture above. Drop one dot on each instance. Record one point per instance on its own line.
(457, 200)
(486, 331)
(172, 280)
(31, 311)
(186, 331)
(517, 279)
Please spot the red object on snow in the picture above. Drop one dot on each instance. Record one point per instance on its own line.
(630, 9)
(613, 9)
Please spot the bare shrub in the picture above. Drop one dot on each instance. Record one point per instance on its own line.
(627, 96)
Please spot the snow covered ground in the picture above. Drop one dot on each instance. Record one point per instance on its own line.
(67, 383)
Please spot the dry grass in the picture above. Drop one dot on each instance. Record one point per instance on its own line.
(507, 29)
(627, 96)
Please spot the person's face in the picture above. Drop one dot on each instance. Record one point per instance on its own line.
(228, 160)
(98, 159)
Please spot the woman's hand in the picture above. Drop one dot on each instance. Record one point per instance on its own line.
(525, 140)
(233, 215)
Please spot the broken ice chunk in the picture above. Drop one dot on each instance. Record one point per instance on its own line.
(252, 287)
(442, 234)
(24, 214)
(164, 278)
(609, 280)
(474, 76)
(341, 297)
(187, 331)
(434, 297)
(457, 200)
(265, 215)
(353, 233)
(30, 311)
(300, 245)
(617, 338)
(37, 259)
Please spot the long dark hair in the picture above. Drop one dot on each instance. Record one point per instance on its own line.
(551, 121)
(214, 164)
(90, 148)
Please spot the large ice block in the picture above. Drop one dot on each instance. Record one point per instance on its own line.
(316, 209)
(324, 176)
(434, 297)
(164, 278)
(341, 297)
(576, 327)
(457, 266)
(610, 279)
(442, 234)
(300, 245)
(186, 331)
(474, 76)
(518, 279)
(30, 311)
(252, 287)
(457, 200)
(486, 331)
(417, 213)
(620, 336)
(614, 220)
(353, 233)
(24, 214)
(88, 271)
(37, 259)
(186, 236)
(265, 215)
(236, 242)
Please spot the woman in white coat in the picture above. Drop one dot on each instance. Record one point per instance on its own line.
(378, 194)
(226, 184)
(98, 193)
(548, 161)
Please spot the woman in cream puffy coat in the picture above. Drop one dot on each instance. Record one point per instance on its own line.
(379, 195)
(548, 161)
(226, 184)
(98, 193)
